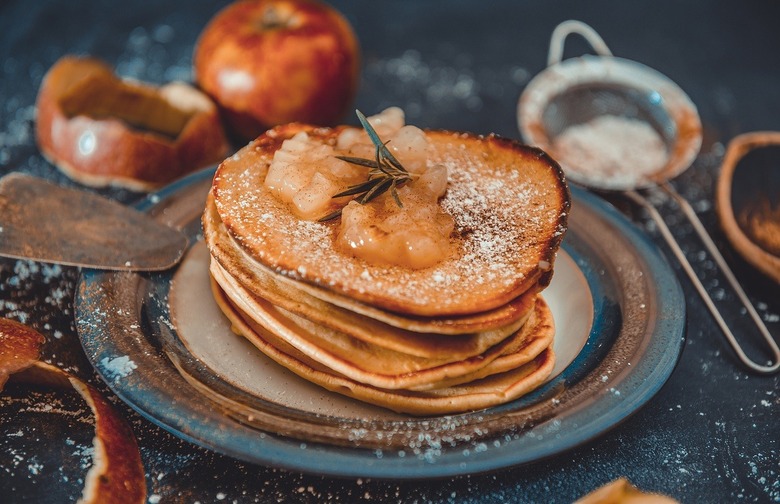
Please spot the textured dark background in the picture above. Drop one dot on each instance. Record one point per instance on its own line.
(710, 435)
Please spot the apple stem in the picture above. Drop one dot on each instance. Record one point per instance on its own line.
(273, 19)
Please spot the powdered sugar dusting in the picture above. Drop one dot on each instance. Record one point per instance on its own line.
(492, 228)
(118, 367)
(504, 215)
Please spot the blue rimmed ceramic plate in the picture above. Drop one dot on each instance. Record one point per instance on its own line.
(163, 347)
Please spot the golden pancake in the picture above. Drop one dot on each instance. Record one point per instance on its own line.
(539, 336)
(482, 393)
(364, 362)
(509, 203)
(418, 336)
(369, 331)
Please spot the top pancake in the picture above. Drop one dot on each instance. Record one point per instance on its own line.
(509, 202)
(338, 312)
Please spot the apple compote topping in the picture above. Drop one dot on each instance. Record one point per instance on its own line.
(416, 235)
(306, 174)
(403, 225)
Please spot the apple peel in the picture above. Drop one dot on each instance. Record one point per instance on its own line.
(100, 129)
(117, 473)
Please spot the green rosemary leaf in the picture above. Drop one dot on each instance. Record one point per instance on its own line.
(385, 173)
(391, 160)
(381, 164)
(381, 147)
(378, 189)
(394, 193)
(368, 163)
(330, 216)
(358, 188)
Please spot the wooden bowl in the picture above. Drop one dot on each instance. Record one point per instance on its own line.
(747, 199)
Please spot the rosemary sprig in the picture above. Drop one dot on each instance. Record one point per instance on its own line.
(385, 173)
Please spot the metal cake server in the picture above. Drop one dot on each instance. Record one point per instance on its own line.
(46, 222)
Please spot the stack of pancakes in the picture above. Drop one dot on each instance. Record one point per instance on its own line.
(467, 333)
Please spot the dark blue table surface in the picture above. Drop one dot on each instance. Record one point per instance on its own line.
(710, 435)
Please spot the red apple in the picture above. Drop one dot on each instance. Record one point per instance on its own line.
(269, 62)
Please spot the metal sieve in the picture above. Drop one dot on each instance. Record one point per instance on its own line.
(616, 125)
(579, 90)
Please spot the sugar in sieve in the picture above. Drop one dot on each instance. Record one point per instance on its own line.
(616, 125)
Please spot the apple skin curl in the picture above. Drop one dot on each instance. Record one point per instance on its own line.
(117, 473)
(270, 62)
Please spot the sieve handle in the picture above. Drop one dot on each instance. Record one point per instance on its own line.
(680, 255)
(565, 29)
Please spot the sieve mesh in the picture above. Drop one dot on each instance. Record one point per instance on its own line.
(582, 103)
